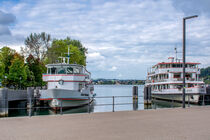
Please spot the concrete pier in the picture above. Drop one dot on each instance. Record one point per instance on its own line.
(8, 95)
(161, 124)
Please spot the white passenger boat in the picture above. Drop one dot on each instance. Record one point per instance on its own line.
(166, 81)
(68, 85)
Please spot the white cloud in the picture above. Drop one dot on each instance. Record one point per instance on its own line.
(113, 68)
(95, 56)
(118, 34)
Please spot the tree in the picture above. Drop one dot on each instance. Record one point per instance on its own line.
(17, 71)
(2, 68)
(6, 56)
(37, 68)
(30, 81)
(60, 48)
(205, 74)
(37, 45)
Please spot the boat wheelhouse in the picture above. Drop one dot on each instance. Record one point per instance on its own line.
(166, 81)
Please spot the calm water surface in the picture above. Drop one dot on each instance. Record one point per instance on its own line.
(103, 102)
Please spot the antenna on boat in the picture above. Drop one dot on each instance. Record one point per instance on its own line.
(68, 55)
(175, 53)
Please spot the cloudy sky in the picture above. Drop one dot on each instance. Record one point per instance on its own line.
(124, 37)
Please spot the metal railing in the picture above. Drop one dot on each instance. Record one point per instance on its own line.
(31, 103)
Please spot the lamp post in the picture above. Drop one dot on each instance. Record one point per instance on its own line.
(183, 95)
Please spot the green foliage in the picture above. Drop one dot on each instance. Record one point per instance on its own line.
(30, 81)
(17, 71)
(60, 47)
(36, 68)
(2, 69)
(6, 56)
(205, 73)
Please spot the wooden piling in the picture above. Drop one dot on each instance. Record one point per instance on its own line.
(147, 95)
(135, 92)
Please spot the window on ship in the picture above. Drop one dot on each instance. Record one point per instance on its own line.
(48, 71)
(177, 75)
(53, 70)
(61, 71)
(69, 70)
(76, 70)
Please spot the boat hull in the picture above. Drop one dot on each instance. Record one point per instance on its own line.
(191, 98)
(65, 98)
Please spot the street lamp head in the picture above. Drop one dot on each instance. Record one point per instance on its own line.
(190, 17)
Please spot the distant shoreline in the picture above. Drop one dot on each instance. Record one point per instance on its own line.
(117, 82)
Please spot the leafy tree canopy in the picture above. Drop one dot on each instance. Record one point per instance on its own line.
(37, 68)
(37, 45)
(205, 73)
(6, 56)
(17, 71)
(60, 48)
(2, 68)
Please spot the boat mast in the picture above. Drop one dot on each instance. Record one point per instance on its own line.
(176, 54)
(68, 56)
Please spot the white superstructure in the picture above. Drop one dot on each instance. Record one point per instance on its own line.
(166, 80)
(68, 85)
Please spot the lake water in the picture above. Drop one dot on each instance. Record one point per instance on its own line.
(104, 102)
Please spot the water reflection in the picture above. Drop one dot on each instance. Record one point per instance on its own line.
(164, 104)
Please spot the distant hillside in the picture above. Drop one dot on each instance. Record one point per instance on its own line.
(205, 73)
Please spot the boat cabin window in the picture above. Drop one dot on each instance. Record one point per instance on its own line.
(76, 70)
(177, 75)
(53, 70)
(69, 70)
(61, 71)
(48, 71)
(176, 65)
(65, 70)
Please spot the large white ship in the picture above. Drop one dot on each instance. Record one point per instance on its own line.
(166, 81)
(68, 85)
